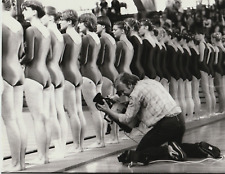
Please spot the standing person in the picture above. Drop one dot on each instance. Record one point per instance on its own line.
(73, 78)
(13, 82)
(106, 64)
(115, 7)
(157, 57)
(182, 78)
(204, 70)
(188, 82)
(38, 80)
(219, 71)
(151, 104)
(211, 64)
(149, 48)
(137, 61)
(104, 7)
(124, 48)
(58, 116)
(163, 38)
(172, 65)
(92, 76)
(196, 76)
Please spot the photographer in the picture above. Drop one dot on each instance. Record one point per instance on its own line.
(150, 102)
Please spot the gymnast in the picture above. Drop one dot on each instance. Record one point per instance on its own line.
(196, 76)
(166, 77)
(38, 80)
(13, 83)
(133, 36)
(172, 65)
(149, 48)
(106, 64)
(58, 116)
(211, 66)
(92, 77)
(204, 70)
(124, 48)
(73, 78)
(219, 70)
(188, 82)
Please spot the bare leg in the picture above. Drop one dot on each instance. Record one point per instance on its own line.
(173, 89)
(47, 120)
(18, 104)
(35, 97)
(10, 120)
(189, 100)
(89, 91)
(205, 87)
(71, 108)
(61, 116)
(181, 97)
(195, 94)
(108, 89)
(165, 83)
(56, 130)
(81, 116)
(212, 94)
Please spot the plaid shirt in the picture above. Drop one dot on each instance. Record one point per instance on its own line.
(150, 102)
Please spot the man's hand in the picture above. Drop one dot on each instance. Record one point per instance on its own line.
(104, 108)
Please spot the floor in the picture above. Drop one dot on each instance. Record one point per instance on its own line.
(213, 133)
(105, 159)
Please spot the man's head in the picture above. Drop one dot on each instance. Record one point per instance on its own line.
(125, 83)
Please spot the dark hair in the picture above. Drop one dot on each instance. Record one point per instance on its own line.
(156, 31)
(34, 5)
(7, 4)
(187, 37)
(148, 23)
(124, 26)
(51, 11)
(127, 79)
(133, 23)
(104, 20)
(70, 15)
(89, 20)
(217, 36)
(177, 35)
(169, 32)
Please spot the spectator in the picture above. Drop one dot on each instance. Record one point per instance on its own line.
(115, 7)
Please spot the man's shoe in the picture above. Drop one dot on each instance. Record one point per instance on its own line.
(129, 156)
(209, 149)
(125, 157)
(175, 151)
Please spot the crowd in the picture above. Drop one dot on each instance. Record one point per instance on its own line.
(65, 57)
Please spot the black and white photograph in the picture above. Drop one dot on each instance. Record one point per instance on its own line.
(112, 86)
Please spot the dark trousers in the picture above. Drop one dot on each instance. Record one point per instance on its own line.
(167, 129)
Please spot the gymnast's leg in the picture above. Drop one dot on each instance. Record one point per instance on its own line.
(89, 91)
(71, 108)
(12, 128)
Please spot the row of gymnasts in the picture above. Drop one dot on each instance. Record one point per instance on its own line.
(55, 69)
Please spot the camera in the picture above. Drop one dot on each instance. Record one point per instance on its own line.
(120, 108)
(100, 100)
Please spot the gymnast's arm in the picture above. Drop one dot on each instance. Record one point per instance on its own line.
(101, 54)
(21, 52)
(201, 51)
(118, 53)
(30, 38)
(84, 50)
